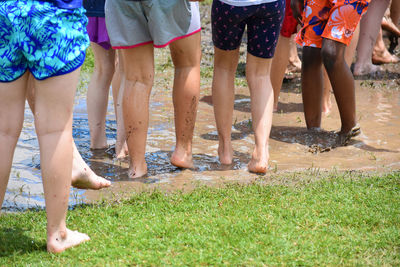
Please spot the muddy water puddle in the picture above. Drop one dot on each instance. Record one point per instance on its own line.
(292, 147)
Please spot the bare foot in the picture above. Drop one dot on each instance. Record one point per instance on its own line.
(83, 177)
(294, 67)
(225, 153)
(258, 164)
(327, 107)
(384, 58)
(182, 159)
(61, 241)
(365, 69)
(138, 171)
(390, 26)
(121, 151)
(344, 136)
(275, 107)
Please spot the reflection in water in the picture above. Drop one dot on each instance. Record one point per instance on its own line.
(378, 147)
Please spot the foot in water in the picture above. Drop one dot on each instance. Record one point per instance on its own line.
(83, 177)
(344, 137)
(182, 159)
(60, 241)
(258, 162)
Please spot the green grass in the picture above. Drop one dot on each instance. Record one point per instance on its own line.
(344, 219)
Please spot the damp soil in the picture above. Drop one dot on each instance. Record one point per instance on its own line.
(292, 148)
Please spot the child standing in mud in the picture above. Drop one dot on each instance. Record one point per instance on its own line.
(47, 39)
(135, 28)
(328, 27)
(263, 19)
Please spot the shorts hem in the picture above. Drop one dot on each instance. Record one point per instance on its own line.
(177, 38)
(266, 57)
(132, 46)
(13, 80)
(62, 72)
(157, 46)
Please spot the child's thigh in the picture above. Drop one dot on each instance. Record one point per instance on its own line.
(186, 51)
(12, 105)
(343, 20)
(54, 99)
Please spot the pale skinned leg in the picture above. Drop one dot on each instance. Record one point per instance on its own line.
(370, 25)
(279, 64)
(294, 60)
(12, 104)
(121, 148)
(223, 96)
(262, 100)
(349, 56)
(186, 55)
(53, 123)
(82, 176)
(97, 94)
(139, 78)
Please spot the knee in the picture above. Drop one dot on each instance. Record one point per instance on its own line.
(144, 78)
(331, 57)
(104, 70)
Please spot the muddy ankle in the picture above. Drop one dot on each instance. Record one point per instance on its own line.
(225, 156)
(138, 171)
(258, 166)
(182, 160)
(258, 162)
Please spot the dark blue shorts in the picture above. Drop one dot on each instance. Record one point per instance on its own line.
(263, 25)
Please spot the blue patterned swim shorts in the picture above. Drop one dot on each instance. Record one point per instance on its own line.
(41, 37)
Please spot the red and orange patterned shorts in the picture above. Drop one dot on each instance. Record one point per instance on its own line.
(332, 19)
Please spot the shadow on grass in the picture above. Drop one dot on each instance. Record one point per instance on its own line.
(16, 241)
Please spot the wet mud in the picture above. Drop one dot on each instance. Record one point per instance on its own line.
(292, 148)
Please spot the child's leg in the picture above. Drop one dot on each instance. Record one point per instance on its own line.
(369, 29)
(185, 54)
(53, 122)
(342, 81)
(279, 64)
(97, 95)
(294, 60)
(311, 84)
(139, 75)
(261, 93)
(121, 148)
(83, 176)
(12, 104)
(348, 56)
(223, 96)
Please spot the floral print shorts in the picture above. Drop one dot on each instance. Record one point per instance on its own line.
(332, 19)
(40, 37)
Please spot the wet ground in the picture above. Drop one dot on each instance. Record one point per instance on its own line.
(292, 147)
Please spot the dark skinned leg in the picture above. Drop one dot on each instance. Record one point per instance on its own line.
(311, 84)
(342, 81)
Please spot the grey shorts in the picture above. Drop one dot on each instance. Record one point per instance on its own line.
(134, 23)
